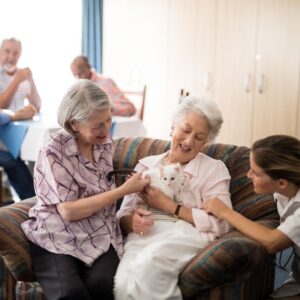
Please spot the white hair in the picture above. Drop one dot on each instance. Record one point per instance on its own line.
(206, 108)
(12, 40)
(80, 103)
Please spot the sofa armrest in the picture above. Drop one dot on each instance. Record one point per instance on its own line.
(14, 248)
(234, 257)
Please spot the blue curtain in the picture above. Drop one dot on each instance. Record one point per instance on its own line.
(92, 32)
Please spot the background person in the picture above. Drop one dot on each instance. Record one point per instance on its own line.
(274, 168)
(156, 250)
(121, 106)
(75, 238)
(16, 85)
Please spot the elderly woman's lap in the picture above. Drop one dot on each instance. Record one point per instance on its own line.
(66, 277)
(156, 259)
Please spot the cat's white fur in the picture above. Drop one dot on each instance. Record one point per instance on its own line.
(169, 179)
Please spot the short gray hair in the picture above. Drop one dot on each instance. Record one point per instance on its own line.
(206, 108)
(80, 103)
(13, 40)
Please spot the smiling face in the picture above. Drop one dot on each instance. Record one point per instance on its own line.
(95, 131)
(189, 136)
(263, 183)
(10, 54)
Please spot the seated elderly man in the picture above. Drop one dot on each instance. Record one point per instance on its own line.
(121, 106)
(16, 86)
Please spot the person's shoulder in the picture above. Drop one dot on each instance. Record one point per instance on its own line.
(59, 136)
(58, 141)
(211, 164)
(204, 158)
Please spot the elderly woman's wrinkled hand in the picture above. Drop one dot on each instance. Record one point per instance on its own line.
(216, 207)
(155, 198)
(135, 183)
(141, 221)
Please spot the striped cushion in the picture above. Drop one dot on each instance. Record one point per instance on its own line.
(232, 258)
(13, 243)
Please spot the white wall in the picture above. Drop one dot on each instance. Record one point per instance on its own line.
(50, 35)
(157, 43)
(135, 53)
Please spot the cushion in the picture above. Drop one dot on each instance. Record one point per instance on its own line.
(14, 247)
(231, 258)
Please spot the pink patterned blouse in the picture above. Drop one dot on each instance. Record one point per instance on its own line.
(62, 174)
(121, 106)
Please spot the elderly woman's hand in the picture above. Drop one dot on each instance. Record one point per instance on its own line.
(134, 184)
(154, 197)
(216, 207)
(141, 221)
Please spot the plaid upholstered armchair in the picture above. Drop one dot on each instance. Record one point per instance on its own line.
(232, 267)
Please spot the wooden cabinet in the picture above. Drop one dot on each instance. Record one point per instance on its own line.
(276, 98)
(191, 47)
(257, 68)
(244, 54)
(235, 67)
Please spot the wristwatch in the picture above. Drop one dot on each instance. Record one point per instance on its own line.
(176, 213)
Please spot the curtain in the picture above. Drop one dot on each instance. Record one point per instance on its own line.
(92, 32)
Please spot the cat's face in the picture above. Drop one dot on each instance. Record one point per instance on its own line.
(171, 175)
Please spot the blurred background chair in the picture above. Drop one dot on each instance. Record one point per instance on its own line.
(138, 98)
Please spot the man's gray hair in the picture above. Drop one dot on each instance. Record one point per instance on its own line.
(206, 108)
(80, 103)
(12, 39)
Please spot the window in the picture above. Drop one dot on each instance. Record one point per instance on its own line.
(50, 32)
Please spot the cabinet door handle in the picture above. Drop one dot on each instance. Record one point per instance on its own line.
(247, 82)
(261, 83)
(207, 81)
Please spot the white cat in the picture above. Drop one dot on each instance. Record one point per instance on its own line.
(169, 179)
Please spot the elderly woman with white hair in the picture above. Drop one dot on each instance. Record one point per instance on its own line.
(75, 239)
(157, 248)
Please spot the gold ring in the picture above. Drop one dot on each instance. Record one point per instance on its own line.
(142, 233)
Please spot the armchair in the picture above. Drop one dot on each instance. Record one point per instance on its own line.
(232, 267)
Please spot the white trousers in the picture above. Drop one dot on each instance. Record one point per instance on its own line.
(151, 264)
